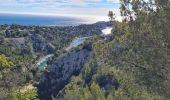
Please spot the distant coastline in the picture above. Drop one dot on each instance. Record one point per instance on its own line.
(40, 20)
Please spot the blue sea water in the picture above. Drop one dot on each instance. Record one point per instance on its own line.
(43, 62)
(42, 65)
(39, 20)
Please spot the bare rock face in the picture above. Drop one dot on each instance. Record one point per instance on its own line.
(60, 73)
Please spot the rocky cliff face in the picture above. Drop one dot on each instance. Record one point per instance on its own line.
(60, 73)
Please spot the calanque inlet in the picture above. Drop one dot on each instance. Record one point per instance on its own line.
(84, 50)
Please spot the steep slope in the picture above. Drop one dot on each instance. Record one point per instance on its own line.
(134, 65)
(118, 71)
(25, 45)
(60, 72)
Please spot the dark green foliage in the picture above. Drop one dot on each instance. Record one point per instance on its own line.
(134, 65)
(138, 59)
(16, 44)
(111, 16)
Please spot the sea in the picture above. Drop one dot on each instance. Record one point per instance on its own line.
(40, 20)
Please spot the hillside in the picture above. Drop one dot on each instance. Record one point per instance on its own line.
(134, 65)
(131, 63)
(26, 45)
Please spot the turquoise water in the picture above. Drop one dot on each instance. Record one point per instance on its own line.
(42, 65)
(43, 62)
(77, 42)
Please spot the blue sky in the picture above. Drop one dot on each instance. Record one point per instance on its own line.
(96, 9)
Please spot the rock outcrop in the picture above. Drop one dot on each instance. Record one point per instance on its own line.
(60, 72)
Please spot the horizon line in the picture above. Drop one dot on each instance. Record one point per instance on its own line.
(93, 18)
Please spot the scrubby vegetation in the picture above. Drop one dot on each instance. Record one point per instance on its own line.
(23, 46)
(131, 64)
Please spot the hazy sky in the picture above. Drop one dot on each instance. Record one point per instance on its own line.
(96, 9)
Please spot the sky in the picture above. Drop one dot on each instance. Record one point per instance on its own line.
(93, 9)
